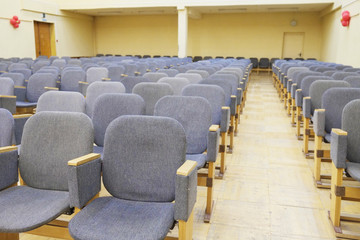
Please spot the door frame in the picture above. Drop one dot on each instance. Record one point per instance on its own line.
(52, 37)
(302, 47)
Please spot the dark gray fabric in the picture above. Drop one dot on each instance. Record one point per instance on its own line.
(25, 104)
(177, 84)
(96, 89)
(19, 128)
(350, 124)
(185, 195)
(318, 88)
(18, 78)
(342, 75)
(306, 106)
(6, 86)
(109, 106)
(200, 159)
(227, 78)
(233, 105)
(99, 150)
(70, 79)
(37, 83)
(293, 90)
(192, 77)
(25, 72)
(61, 101)
(225, 120)
(50, 140)
(115, 72)
(292, 70)
(7, 127)
(24, 208)
(319, 123)
(141, 156)
(338, 148)
(8, 168)
(354, 170)
(224, 85)
(307, 81)
(300, 76)
(329, 73)
(354, 81)
(204, 74)
(214, 94)
(130, 82)
(213, 145)
(334, 101)
(194, 114)
(8, 103)
(151, 93)
(154, 76)
(96, 74)
(169, 72)
(84, 182)
(108, 218)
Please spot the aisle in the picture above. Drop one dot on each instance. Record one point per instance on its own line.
(268, 190)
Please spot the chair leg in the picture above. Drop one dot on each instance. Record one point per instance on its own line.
(222, 156)
(237, 118)
(231, 131)
(298, 121)
(335, 205)
(317, 160)
(290, 105)
(209, 196)
(9, 236)
(186, 228)
(306, 136)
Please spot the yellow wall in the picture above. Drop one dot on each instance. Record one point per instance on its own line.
(150, 34)
(73, 32)
(342, 44)
(251, 34)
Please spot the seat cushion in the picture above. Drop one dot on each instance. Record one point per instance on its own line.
(354, 170)
(109, 218)
(25, 104)
(327, 137)
(24, 208)
(99, 150)
(199, 158)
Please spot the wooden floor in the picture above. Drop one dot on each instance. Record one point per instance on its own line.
(268, 190)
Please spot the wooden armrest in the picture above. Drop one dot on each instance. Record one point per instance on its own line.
(186, 168)
(20, 87)
(213, 128)
(171, 65)
(27, 80)
(51, 88)
(21, 116)
(320, 110)
(83, 82)
(339, 131)
(58, 82)
(157, 68)
(106, 79)
(225, 107)
(298, 90)
(124, 75)
(3, 71)
(137, 72)
(307, 98)
(7, 96)
(242, 82)
(83, 159)
(239, 88)
(233, 96)
(148, 70)
(7, 149)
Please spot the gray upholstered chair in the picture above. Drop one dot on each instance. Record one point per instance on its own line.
(314, 101)
(176, 83)
(61, 101)
(144, 170)
(170, 72)
(7, 126)
(60, 63)
(204, 74)
(7, 96)
(192, 77)
(329, 117)
(151, 92)
(116, 72)
(345, 156)
(154, 76)
(109, 106)
(39, 64)
(220, 113)
(354, 81)
(38, 84)
(26, 72)
(75, 62)
(342, 75)
(130, 82)
(96, 89)
(18, 78)
(210, 70)
(194, 114)
(55, 163)
(73, 80)
(96, 74)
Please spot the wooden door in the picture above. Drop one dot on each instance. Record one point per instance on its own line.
(293, 45)
(42, 39)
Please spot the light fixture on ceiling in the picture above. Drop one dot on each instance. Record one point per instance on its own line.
(293, 22)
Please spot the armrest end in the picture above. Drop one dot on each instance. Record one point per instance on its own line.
(338, 147)
(319, 122)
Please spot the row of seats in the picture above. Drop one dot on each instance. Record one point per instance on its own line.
(324, 100)
(141, 160)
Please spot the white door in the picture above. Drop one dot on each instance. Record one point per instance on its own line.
(293, 45)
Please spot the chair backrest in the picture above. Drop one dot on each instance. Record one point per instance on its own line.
(6, 86)
(96, 74)
(109, 106)
(170, 72)
(230, 78)
(264, 63)
(37, 83)
(342, 75)
(350, 123)
(293, 70)
(60, 63)
(18, 79)
(308, 80)
(115, 72)
(354, 81)
(14, 66)
(176, 83)
(96, 89)
(334, 101)
(39, 64)
(141, 156)
(329, 73)
(70, 79)
(131, 81)
(61, 101)
(210, 70)
(154, 76)
(6, 128)
(192, 77)
(76, 62)
(224, 85)
(151, 93)
(351, 69)
(49, 141)
(213, 93)
(194, 114)
(324, 69)
(204, 74)
(318, 87)
(341, 67)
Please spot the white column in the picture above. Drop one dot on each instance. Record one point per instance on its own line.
(182, 31)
